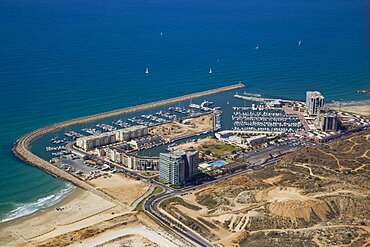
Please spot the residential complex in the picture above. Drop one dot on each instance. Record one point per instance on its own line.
(171, 168)
(90, 142)
(327, 120)
(314, 101)
(121, 156)
(178, 166)
(130, 133)
(192, 161)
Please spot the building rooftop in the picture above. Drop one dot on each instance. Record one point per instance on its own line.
(132, 128)
(97, 136)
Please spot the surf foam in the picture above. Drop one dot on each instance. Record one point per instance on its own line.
(23, 209)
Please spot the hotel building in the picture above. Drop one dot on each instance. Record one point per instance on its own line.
(172, 168)
(327, 120)
(314, 102)
(178, 167)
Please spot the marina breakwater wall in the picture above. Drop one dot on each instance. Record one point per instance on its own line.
(22, 146)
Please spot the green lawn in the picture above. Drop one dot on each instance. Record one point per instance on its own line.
(217, 148)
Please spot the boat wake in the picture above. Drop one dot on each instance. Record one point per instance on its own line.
(252, 94)
(23, 209)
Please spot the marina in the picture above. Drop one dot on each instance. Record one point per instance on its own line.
(261, 119)
(172, 124)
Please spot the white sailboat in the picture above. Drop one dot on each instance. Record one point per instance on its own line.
(257, 47)
(161, 33)
(299, 42)
(146, 71)
(210, 71)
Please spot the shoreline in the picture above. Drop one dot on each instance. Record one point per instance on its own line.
(22, 148)
(78, 210)
(75, 193)
(355, 107)
(350, 102)
(59, 196)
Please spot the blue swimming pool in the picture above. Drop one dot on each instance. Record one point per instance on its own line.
(219, 163)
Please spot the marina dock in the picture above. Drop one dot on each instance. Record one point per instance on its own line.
(260, 99)
(22, 146)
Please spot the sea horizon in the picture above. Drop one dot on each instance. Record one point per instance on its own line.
(70, 59)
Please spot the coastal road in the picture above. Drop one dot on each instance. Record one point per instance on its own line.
(152, 204)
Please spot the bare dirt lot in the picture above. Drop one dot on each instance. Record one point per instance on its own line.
(316, 196)
(121, 187)
(209, 146)
(192, 126)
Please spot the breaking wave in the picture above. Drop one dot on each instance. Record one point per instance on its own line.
(23, 209)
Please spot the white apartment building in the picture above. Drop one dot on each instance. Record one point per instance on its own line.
(314, 102)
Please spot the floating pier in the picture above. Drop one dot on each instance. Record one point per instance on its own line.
(22, 146)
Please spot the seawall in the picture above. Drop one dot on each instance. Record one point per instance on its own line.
(22, 146)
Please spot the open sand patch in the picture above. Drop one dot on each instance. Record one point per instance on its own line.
(290, 203)
(139, 232)
(174, 130)
(132, 240)
(273, 180)
(125, 189)
(236, 222)
(280, 194)
(76, 211)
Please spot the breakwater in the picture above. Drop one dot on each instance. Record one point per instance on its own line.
(22, 146)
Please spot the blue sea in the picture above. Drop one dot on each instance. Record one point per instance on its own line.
(61, 59)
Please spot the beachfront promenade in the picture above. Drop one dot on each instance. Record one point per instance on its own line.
(22, 146)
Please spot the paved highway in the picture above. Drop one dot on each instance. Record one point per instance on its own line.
(152, 203)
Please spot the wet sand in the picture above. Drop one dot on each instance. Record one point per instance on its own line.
(79, 209)
(358, 109)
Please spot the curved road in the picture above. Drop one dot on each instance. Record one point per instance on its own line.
(152, 203)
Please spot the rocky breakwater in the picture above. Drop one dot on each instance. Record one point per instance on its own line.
(22, 146)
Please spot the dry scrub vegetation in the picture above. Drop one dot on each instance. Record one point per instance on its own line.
(316, 196)
(175, 130)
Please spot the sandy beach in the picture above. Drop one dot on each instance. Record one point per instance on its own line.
(77, 210)
(360, 107)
